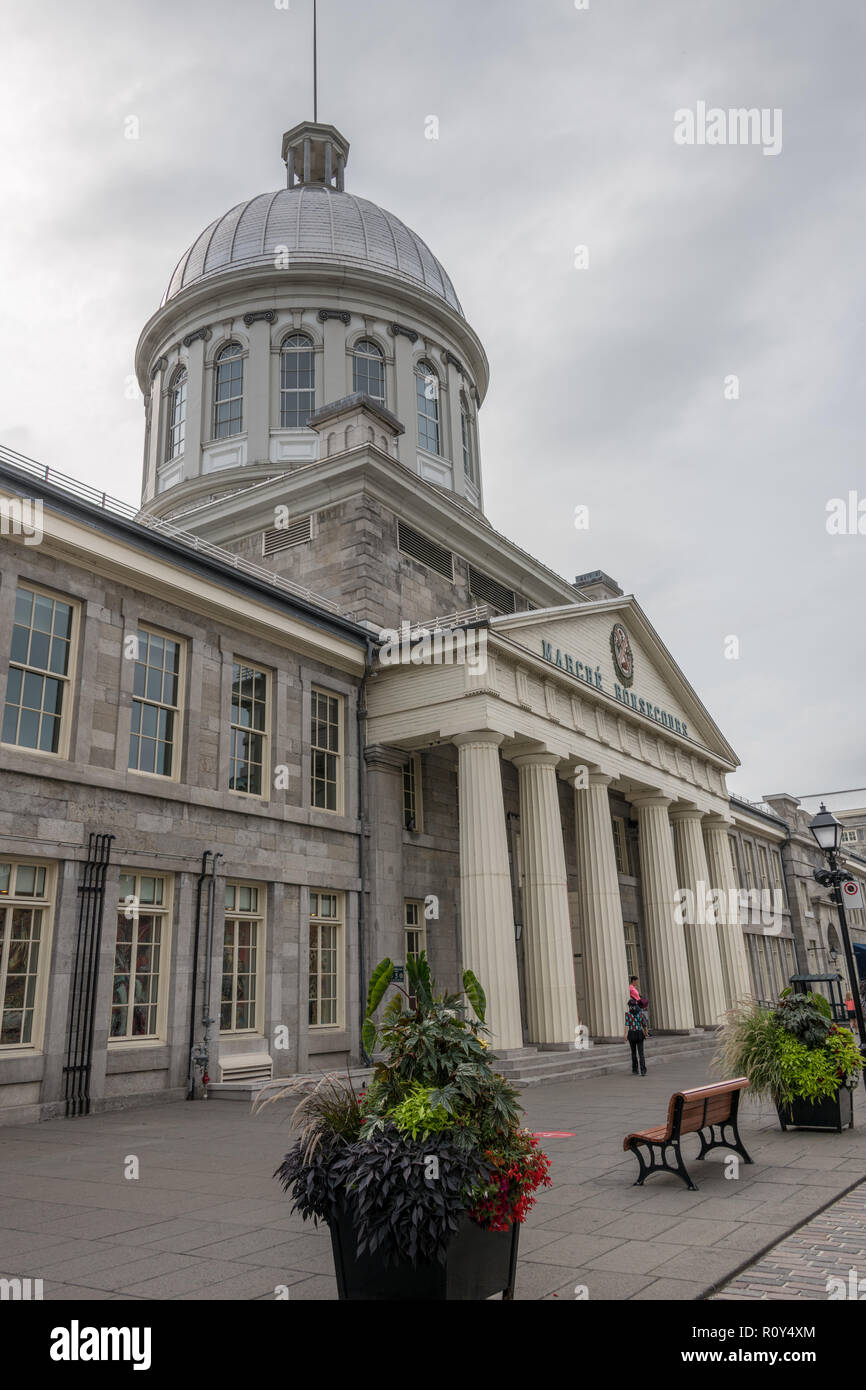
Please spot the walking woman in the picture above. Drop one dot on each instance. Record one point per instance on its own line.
(636, 1029)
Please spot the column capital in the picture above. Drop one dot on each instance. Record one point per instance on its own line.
(480, 736)
(537, 757)
(715, 820)
(650, 799)
(686, 813)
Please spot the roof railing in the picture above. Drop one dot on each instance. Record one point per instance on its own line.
(94, 497)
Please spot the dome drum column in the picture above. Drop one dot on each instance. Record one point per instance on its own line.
(197, 397)
(256, 423)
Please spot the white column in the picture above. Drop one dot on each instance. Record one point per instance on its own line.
(670, 1001)
(605, 964)
(455, 429)
(702, 941)
(723, 877)
(551, 999)
(198, 398)
(258, 393)
(486, 905)
(335, 384)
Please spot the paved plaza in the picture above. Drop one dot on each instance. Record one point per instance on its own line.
(206, 1220)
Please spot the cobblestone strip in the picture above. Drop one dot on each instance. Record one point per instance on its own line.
(823, 1259)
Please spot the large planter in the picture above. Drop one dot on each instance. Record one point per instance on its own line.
(833, 1113)
(478, 1264)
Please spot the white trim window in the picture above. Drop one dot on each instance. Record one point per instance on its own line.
(249, 730)
(368, 369)
(176, 431)
(413, 806)
(155, 725)
(25, 914)
(297, 381)
(140, 958)
(228, 396)
(620, 846)
(326, 751)
(427, 392)
(764, 861)
(415, 928)
(326, 963)
(243, 958)
(39, 680)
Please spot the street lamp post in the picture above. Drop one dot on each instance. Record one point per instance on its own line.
(828, 832)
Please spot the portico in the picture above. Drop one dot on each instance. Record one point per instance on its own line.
(573, 744)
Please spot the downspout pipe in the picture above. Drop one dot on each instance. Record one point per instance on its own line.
(208, 965)
(362, 850)
(201, 878)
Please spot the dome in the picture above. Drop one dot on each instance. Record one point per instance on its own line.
(317, 224)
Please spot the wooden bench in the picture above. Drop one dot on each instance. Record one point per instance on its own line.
(691, 1112)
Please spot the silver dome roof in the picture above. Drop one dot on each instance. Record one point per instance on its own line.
(317, 224)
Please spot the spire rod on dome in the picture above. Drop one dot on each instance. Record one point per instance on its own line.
(315, 69)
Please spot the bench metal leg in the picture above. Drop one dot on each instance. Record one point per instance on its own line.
(734, 1143)
(660, 1167)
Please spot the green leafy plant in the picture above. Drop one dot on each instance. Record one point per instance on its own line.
(789, 1052)
(435, 1137)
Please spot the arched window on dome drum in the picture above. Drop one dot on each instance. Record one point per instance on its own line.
(176, 415)
(229, 391)
(368, 370)
(470, 467)
(297, 381)
(427, 383)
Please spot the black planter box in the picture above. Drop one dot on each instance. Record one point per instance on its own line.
(478, 1264)
(834, 1113)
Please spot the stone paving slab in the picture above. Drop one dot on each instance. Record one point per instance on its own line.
(205, 1220)
(830, 1247)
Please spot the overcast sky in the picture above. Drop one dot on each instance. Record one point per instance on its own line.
(556, 130)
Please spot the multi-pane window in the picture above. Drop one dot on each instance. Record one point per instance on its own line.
(39, 666)
(176, 415)
(805, 904)
(412, 812)
(326, 959)
(229, 391)
(24, 910)
(778, 874)
(326, 752)
(468, 445)
(751, 875)
(248, 729)
(368, 370)
(297, 381)
(142, 931)
(632, 955)
(416, 932)
(765, 866)
(427, 387)
(243, 943)
(620, 846)
(155, 704)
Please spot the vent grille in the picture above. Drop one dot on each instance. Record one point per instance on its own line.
(434, 556)
(490, 591)
(249, 1067)
(282, 537)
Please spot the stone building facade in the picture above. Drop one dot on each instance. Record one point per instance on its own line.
(327, 713)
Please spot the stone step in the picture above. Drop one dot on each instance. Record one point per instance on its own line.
(551, 1067)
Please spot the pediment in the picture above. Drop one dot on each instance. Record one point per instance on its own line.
(583, 643)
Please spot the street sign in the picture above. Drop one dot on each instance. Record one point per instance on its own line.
(851, 894)
(398, 974)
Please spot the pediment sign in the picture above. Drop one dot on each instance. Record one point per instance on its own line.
(611, 648)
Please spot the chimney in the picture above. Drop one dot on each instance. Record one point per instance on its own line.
(597, 585)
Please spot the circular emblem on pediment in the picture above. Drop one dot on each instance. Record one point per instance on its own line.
(623, 658)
